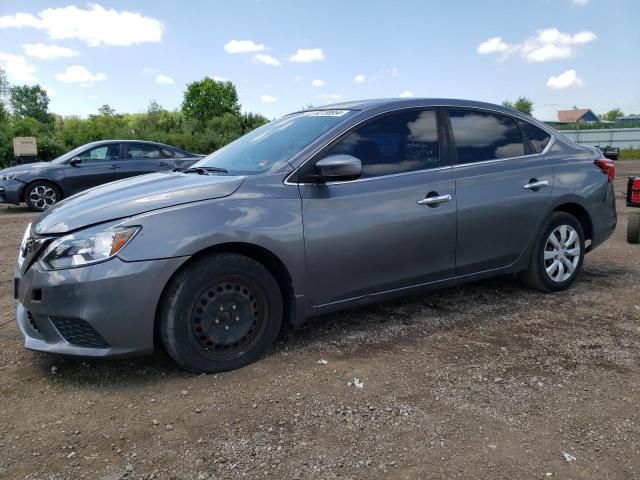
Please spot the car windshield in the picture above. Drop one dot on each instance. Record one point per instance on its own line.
(66, 156)
(270, 145)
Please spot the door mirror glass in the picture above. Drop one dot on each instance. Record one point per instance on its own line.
(75, 161)
(339, 167)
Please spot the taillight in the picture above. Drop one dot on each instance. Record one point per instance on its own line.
(608, 167)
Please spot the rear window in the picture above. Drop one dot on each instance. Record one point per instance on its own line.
(538, 138)
(483, 136)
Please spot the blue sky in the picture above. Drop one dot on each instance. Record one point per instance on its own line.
(559, 53)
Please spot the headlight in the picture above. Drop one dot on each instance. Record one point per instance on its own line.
(12, 175)
(86, 247)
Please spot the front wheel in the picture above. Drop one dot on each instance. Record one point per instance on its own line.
(220, 313)
(41, 195)
(557, 255)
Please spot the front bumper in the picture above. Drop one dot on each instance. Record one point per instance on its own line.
(10, 191)
(102, 310)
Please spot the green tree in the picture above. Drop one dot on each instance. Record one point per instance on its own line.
(612, 115)
(30, 101)
(107, 111)
(207, 99)
(522, 104)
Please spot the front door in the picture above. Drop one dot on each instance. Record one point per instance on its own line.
(392, 228)
(94, 166)
(503, 187)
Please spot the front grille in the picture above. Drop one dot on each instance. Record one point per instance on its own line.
(78, 332)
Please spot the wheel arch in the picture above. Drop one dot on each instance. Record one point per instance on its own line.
(40, 179)
(581, 214)
(258, 253)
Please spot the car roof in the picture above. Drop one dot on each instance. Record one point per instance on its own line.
(392, 103)
(99, 142)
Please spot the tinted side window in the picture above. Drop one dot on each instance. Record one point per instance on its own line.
(142, 151)
(483, 136)
(396, 143)
(538, 138)
(100, 154)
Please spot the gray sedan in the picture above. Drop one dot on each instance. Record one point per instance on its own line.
(315, 212)
(40, 185)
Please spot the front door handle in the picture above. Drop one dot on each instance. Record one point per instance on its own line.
(114, 167)
(435, 200)
(162, 164)
(535, 184)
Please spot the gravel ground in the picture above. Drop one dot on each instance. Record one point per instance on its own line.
(489, 380)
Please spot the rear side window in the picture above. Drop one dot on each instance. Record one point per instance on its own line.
(538, 138)
(483, 136)
(395, 143)
(143, 151)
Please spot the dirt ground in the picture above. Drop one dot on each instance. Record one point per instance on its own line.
(489, 380)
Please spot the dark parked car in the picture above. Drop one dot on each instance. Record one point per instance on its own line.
(315, 212)
(42, 184)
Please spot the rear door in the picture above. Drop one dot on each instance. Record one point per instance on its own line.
(503, 186)
(96, 165)
(379, 232)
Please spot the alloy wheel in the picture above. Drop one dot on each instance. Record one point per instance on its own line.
(562, 253)
(42, 197)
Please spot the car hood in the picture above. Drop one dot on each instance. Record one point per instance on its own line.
(27, 167)
(133, 196)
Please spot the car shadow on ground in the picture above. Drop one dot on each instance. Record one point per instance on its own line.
(429, 312)
(421, 314)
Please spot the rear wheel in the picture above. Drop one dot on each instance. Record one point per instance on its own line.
(558, 254)
(41, 195)
(633, 228)
(220, 313)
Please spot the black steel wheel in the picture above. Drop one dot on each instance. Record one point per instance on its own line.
(220, 313)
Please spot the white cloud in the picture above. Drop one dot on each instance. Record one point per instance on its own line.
(580, 3)
(395, 72)
(149, 71)
(94, 25)
(546, 45)
(79, 74)
(494, 44)
(17, 68)
(266, 59)
(359, 78)
(406, 94)
(164, 79)
(243, 46)
(268, 98)
(298, 78)
(47, 52)
(307, 55)
(317, 83)
(568, 79)
(93, 97)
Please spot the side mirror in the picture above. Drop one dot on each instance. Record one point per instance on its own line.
(75, 161)
(339, 167)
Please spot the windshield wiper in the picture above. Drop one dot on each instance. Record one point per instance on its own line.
(203, 170)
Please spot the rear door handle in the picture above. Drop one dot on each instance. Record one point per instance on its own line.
(432, 201)
(535, 185)
(162, 164)
(114, 167)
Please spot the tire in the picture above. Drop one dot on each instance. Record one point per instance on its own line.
(41, 195)
(220, 313)
(633, 227)
(555, 267)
